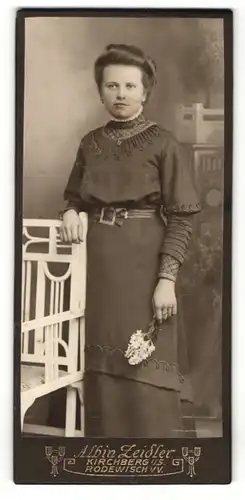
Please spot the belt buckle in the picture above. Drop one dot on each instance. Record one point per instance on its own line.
(124, 212)
(107, 222)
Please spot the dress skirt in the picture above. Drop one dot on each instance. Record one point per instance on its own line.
(122, 400)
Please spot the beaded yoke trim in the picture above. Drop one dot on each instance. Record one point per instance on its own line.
(124, 136)
(120, 131)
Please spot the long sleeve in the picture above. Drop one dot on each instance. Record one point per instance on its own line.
(180, 203)
(72, 190)
(175, 245)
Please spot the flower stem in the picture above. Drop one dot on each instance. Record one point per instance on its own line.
(152, 330)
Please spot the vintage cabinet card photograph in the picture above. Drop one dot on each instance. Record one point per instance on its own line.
(123, 246)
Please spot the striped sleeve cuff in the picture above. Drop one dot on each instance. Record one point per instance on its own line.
(178, 233)
(169, 268)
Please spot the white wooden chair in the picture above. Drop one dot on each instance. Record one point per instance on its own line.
(53, 305)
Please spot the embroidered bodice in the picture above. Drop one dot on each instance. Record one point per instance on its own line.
(138, 164)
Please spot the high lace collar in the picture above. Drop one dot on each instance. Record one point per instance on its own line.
(121, 130)
(127, 124)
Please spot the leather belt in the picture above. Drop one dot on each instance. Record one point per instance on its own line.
(115, 216)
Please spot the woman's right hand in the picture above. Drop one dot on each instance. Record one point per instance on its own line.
(71, 229)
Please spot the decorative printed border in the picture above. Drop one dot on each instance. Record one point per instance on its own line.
(101, 460)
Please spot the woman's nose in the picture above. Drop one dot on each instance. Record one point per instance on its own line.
(121, 93)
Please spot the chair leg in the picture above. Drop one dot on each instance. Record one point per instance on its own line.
(80, 394)
(22, 417)
(79, 387)
(70, 424)
(26, 403)
(82, 419)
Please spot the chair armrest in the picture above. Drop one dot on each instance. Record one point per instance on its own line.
(51, 320)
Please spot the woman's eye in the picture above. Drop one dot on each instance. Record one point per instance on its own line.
(111, 85)
(130, 86)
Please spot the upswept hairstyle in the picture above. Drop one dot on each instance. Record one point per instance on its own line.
(130, 56)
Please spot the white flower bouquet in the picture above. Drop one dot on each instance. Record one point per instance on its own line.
(141, 344)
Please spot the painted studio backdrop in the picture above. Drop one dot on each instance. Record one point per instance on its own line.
(61, 104)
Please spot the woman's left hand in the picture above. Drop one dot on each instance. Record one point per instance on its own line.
(164, 300)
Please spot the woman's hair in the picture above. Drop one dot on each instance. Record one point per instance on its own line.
(130, 56)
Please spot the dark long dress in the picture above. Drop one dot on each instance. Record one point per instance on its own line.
(134, 164)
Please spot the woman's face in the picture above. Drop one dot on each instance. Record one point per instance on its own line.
(122, 90)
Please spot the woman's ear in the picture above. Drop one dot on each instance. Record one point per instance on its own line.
(101, 97)
(144, 97)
